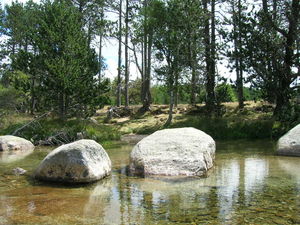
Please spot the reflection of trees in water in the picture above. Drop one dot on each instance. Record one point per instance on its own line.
(98, 201)
(255, 172)
(228, 195)
(233, 191)
(291, 166)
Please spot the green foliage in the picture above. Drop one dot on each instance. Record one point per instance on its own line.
(159, 94)
(66, 58)
(51, 58)
(57, 131)
(252, 94)
(10, 99)
(225, 93)
(223, 128)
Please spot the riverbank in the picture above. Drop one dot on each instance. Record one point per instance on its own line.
(255, 121)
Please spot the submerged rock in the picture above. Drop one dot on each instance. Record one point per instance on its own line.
(289, 144)
(82, 161)
(19, 171)
(172, 152)
(13, 143)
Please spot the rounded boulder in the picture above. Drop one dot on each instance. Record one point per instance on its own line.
(174, 152)
(289, 144)
(13, 143)
(82, 161)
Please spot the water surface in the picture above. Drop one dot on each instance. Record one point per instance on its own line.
(248, 185)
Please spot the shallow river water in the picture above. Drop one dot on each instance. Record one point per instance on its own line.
(248, 185)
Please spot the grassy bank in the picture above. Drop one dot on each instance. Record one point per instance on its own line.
(53, 131)
(253, 122)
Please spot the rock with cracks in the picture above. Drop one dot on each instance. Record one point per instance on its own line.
(82, 161)
(13, 143)
(289, 144)
(173, 152)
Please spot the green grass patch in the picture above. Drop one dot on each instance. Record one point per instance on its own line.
(59, 131)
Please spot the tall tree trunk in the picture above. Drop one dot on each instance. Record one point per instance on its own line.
(147, 101)
(285, 77)
(119, 85)
(240, 81)
(176, 89)
(209, 42)
(100, 57)
(146, 78)
(194, 73)
(142, 70)
(100, 46)
(237, 49)
(171, 97)
(126, 56)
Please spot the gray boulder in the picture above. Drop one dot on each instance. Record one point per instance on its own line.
(289, 144)
(82, 161)
(173, 152)
(12, 143)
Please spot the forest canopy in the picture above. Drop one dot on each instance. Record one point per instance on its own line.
(52, 54)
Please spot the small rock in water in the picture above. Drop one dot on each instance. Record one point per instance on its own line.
(19, 171)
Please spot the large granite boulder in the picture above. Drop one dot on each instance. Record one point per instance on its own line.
(12, 143)
(172, 152)
(82, 161)
(289, 144)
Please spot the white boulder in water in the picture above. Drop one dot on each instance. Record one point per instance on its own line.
(289, 144)
(172, 152)
(82, 161)
(13, 143)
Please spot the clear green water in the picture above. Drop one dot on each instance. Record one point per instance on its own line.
(248, 185)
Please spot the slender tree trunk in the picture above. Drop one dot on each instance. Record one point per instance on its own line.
(142, 72)
(146, 79)
(100, 58)
(171, 106)
(194, 73)
(126, 56)
(210, 57)
(176, 89)
(119, 86)
(237, 49)
(171, 97)
(285, 77)
(147, 101)
(240, 81)
(100, 46)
